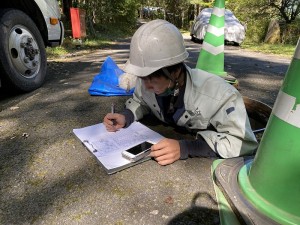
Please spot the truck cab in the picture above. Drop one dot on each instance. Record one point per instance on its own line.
(27, 27)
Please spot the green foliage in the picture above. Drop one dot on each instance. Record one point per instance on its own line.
(291, 33)
(256, 32)
(108, 39)
(174, 10)
(203, 4)
(251, 14)
(256, 15)
(113, 16)
(102, 15)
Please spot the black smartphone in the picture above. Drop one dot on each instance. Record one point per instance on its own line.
(137, 152)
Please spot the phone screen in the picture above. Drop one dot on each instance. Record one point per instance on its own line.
(139, 148)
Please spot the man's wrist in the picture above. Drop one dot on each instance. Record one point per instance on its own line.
(184, 154)
(129, 117)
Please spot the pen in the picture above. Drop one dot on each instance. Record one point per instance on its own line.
(112, 108)
(112, 112)
(259, 130)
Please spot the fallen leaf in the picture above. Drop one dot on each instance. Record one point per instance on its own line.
(169, 200)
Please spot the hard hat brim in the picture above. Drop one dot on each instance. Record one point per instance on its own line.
(146, 71)
(139, 71)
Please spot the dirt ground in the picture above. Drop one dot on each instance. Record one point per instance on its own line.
(48, 177)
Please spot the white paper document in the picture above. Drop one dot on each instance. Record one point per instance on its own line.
(108, 146)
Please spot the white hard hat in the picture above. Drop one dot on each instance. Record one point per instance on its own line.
(155, 45)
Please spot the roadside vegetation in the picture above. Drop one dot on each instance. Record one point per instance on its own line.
(286, 50)
(75, 47)
(71, 47)
(272, 26)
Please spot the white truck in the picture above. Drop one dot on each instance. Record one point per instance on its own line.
(27, 27)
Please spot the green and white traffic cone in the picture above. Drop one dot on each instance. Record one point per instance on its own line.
(211, 56)
(271, 181)
(265, 189)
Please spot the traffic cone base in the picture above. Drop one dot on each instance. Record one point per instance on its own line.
(262, 204)
(232, 80)
(226, 214)
(225, 177)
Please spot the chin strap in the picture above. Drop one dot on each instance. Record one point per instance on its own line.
(176, 90)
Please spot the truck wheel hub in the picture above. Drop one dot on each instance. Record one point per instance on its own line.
(24, 51)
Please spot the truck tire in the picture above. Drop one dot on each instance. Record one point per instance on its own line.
(23, 61)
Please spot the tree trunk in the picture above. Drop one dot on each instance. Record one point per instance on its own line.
(66, 9)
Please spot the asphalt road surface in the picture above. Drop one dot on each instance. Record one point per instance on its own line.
(48, 177)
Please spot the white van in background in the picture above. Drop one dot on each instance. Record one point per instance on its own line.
(27, 27)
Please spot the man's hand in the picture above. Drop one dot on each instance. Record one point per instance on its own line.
(166, 151)
(114, 121)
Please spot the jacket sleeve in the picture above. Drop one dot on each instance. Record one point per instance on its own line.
(136, 104)
(233, 136)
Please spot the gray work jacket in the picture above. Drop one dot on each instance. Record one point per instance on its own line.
(208, 100)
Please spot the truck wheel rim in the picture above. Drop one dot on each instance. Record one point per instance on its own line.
(24, 51)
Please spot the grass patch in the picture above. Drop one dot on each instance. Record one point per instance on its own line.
(277, 49)
(71, 46)
(108, 37)
(100, 39)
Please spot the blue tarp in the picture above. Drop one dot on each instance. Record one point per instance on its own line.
(106, 83)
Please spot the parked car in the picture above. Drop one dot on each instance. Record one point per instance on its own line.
(26, 29)
(234, 31)
(150, 12)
